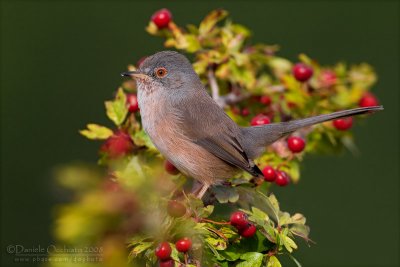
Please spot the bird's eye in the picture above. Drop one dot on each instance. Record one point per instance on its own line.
(161, 72)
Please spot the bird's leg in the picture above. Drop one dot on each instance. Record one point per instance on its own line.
(202, 191)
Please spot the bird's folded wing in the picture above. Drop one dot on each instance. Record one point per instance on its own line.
(207, 125)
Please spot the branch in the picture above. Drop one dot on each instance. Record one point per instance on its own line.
(214, 88)
(229, 99)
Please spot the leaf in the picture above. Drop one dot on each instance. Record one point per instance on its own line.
(217, 243)
(300, 230)
(142, 246)
(136, 240)
(288, 243)
(228, 232)
(217, 255)
(273, 262)
(206, 211)
(225, 194)
(284, 218)
(210, 20)
(133, 174)
(294, 171)
(252, 259)
(297, 218)
(117, 109)
(251, 197)
(274, 202)
(174, 253)
(230, 255)
(141, 138)
(96, 132)
(152, 28)
(259, 214)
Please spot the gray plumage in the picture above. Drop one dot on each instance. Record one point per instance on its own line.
(193, 132)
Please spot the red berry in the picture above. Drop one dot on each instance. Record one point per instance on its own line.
(167, 263)
(162, 18)
(328, 78)
(249, 231)
(163, 251)
(302, 72)
(269, 174)
(260, 119)
(170, 168)
(239, 220)
(235, 110)
(183, 245)
(282, 178)
(296, 144)
(132, 102)
(291, 105)
(117, 145)
(245, 112)
(343, 124)
(110, 185)
(368, 100)
(176, 209)
(266, 100)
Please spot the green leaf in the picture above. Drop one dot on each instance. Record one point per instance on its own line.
(210, 20)
(297, 218)
(217, 243)
(273, 262)
(117, 109)
(96, 132)
(228, 232)
(252, 259)
(225, 194)
(300, 230)
(142, 246)
(133, 174)
(141, 138)
(284, 218)
(206, 211)
(288, 243)
(230, 255)
(294, 171)
(251, 197)
(174, 253)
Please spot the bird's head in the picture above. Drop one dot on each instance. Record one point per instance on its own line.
(164, 71)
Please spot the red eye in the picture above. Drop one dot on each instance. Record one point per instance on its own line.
(161, 72)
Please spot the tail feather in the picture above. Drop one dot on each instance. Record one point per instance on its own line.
(256, 138)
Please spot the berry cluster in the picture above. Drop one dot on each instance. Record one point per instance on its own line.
(281, 178)
(164, 250)
(245, 228)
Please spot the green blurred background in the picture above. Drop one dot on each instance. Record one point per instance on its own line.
(61, 59)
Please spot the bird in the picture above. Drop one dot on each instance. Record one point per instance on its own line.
(194, 133)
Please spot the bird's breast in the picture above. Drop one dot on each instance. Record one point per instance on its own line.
(163, 126)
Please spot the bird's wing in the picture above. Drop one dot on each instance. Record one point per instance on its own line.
(207, 125)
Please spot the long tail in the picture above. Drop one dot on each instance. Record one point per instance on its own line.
(256, 138)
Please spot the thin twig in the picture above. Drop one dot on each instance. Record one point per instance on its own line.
(228, 99)
(213, 84)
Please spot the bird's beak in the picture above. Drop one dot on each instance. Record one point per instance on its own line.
(135, 74)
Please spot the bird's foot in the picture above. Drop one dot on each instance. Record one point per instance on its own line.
(199, 193)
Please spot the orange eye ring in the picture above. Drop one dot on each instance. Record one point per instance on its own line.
(161, 72)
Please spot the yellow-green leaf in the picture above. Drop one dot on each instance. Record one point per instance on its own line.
(96, 132)
(210, 20)
(117, 109)
(273, 262)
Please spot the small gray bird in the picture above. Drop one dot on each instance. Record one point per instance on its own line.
(189, 128)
